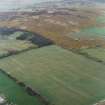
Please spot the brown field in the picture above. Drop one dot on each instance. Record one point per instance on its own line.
(57, 25)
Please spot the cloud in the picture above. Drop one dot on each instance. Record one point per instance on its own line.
(16, 1)
(22, 1)
(9, 4)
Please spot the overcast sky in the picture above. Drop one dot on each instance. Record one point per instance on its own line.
(8, 4)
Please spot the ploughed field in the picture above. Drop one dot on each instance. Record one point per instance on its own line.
(14, 94)
(62, 77)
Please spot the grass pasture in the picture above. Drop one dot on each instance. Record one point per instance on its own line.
(63, 77)
(13, 45)
(98, 53)
(14, 93)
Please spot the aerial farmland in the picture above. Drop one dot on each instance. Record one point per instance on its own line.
(52, 52)
(58, 75)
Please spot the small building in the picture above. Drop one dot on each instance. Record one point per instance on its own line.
(2, 100)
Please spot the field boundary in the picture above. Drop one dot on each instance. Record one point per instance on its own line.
(19, 52)
(86, 55)
(28, 89)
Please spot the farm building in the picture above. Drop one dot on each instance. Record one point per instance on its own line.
(2, 100)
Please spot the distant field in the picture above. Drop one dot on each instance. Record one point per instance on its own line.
(63, 77)
(13, 45)
(58, 26)
(101, 19)
(98, 53)
(15, 94)
(15, 40)
(91, 32)
(9, 43)
(95, 31)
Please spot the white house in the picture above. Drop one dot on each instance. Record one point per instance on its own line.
(2, 100)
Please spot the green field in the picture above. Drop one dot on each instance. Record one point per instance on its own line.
(63, 77)
(15, 94)
(12, 40)
(98, 53)
(101, 19)
(13, 45)
(9, 43)
(92, 31)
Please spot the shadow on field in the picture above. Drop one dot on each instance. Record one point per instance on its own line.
(34, 38)
(28, 89)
